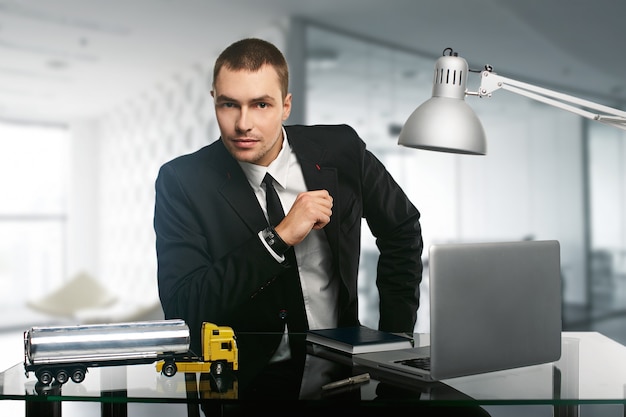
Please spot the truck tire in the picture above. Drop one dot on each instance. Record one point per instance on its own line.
(45, 376)
(62, 376)
(218, 368)
(78, 375)
(169, 369)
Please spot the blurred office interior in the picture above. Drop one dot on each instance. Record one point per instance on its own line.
(95, 97)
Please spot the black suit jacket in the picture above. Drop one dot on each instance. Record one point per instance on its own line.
(213, 267)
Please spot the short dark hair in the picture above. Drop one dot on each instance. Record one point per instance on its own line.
(251, 54)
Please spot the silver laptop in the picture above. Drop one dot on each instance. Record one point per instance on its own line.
(493, 306)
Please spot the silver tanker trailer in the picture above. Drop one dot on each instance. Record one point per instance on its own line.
(66, 352)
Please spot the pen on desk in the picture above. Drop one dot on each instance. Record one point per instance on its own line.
(357, 379)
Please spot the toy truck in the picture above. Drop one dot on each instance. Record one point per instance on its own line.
(62, 353)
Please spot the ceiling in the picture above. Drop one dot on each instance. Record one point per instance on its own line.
(62, 60)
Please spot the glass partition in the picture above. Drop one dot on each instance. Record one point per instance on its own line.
(530, 185)
(607, 184)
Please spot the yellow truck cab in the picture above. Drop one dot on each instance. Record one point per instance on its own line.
(219, 353)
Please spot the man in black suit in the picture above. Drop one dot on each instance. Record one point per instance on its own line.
(221, 260)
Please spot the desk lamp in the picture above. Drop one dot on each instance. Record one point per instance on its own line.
(447, 123)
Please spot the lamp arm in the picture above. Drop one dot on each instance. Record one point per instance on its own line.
(491, 82)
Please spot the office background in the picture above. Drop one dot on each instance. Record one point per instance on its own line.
(94, 98)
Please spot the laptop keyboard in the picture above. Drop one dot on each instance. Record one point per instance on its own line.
(421, 363)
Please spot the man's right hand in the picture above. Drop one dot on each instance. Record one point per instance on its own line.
(311, 210)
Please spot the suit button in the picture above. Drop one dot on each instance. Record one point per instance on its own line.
(282, 314)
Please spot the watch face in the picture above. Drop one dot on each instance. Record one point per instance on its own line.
(268, 235)
(274, 241)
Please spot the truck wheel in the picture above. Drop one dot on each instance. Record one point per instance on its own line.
(78, 376)
(217, 368)
(169, 369)
(62, 376)
(45, 377)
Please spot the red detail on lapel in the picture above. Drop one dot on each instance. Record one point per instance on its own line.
(228, 175)
(318, 167)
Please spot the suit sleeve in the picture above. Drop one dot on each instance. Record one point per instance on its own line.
(394, 222)
(194, 284)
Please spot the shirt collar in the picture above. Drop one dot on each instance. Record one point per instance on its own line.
(278, 168)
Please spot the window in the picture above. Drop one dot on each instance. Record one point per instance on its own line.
(33, 188)
(607, 201)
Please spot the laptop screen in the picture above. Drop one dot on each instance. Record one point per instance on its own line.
(494, 306)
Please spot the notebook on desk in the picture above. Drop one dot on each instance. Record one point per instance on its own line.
(493, 306)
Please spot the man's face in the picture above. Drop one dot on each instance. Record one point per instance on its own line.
(250, 111)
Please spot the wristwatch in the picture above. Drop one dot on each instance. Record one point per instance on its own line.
(274, 241)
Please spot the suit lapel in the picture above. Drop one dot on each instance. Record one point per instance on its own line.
(236, 190)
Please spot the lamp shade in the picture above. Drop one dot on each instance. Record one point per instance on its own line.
(446, 122)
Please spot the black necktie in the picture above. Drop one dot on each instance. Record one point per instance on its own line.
(275, 212)
(293, 302)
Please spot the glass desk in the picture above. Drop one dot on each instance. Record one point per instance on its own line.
(591, 371)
